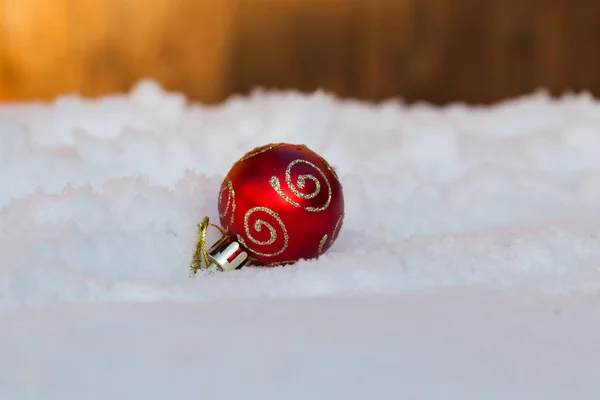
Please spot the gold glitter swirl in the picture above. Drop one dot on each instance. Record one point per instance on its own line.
(257, 150)
(258, 226)
(279, 263)
(277, 187)
(230, 200)
(302, 180)
(322, 243)
(301, 183)
(329, 167)
(336, 229)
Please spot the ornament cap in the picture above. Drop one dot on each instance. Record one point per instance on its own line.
(227, 254)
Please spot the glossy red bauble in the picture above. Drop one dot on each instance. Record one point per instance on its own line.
(282, 203)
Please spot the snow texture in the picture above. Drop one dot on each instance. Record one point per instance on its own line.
(468, 266)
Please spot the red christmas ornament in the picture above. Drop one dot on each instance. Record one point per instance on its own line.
(278, 204)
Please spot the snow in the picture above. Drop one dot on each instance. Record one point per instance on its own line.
(468, 266)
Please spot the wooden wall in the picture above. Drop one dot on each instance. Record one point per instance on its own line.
(433, 50)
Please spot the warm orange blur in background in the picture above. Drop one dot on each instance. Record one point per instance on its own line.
(432, 50)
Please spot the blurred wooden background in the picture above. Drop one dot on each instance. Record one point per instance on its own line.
(432, 50)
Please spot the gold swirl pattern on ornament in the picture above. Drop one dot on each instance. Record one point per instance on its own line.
(230, 199)
(301, 183)
(329, 167)
(258, 226)
(336, 229)
(277, 187)
(322, 243)
(278, 263)
(258, 150)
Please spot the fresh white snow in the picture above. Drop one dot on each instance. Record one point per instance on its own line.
(468, 266)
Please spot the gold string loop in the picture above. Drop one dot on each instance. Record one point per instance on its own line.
(201, 254)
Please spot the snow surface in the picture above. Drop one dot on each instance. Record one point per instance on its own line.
(468, 266)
